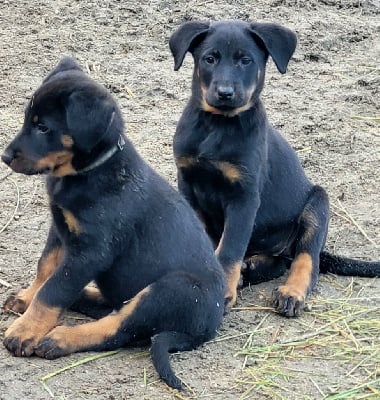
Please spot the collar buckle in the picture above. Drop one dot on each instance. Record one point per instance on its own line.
(121, 143)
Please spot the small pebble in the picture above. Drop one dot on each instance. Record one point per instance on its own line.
(307, 307)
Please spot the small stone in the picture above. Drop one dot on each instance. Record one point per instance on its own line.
(307, 307)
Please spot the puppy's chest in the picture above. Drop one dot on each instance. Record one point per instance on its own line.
(211, 156)
(66, 206)
(202, 168)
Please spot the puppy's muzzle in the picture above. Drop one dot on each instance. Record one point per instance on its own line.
(18, 163)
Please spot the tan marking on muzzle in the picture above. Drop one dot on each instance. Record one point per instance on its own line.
(205, 106)
(230, 113)
(59, 163)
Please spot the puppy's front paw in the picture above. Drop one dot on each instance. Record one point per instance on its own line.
(26, 332)
(20, 338)
(233, 275)
(288, 300)
(229, 300)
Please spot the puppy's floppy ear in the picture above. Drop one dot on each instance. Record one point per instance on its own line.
(66, 64)
(185, 39)
(88, 117)
(280, 42)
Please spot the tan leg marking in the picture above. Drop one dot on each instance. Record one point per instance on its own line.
(74, 338)
(24, 334)
(71, 222)
(299, 278)
(289, 299)
(233, 277)
(46, 267)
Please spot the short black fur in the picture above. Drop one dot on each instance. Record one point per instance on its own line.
(115, 222)
(240, 175)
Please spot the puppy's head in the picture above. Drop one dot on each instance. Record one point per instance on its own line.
(68, 122)
(230, 59)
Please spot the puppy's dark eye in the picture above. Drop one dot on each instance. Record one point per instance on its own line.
(210, 60)
(245, 61)
(43, 129)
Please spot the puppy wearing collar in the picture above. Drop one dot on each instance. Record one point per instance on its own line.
(115, 222)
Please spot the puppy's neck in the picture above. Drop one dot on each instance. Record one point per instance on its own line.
(103, 157)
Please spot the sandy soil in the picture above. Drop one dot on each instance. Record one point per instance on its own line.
(333, 77)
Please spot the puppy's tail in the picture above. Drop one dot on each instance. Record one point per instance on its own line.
(168, 342)
(347, 266)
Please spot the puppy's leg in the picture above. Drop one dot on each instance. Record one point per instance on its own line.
(39, 318)
(92, 303)
(57, 293)
(290, 298)
(263, 268)
(239, 219)
(187, 191)
(178, 310)
(50, 258)
(105, 334)
(232, 245)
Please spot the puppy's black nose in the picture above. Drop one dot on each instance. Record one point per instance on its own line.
(225, 92)
(7, 158)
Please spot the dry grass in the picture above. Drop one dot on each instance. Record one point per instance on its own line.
(82, 361)
(17, 201)
(343, 334)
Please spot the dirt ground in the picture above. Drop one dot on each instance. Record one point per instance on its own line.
(333, 78)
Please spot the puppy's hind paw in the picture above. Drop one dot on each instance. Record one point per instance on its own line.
(15, 304)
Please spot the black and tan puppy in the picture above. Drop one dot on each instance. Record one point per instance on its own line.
(239, 174)
(115, 222)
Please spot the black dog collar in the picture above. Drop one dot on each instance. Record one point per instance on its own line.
(106, 156)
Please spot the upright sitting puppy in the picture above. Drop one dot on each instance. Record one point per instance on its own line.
(114, 221)
(239, 174)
